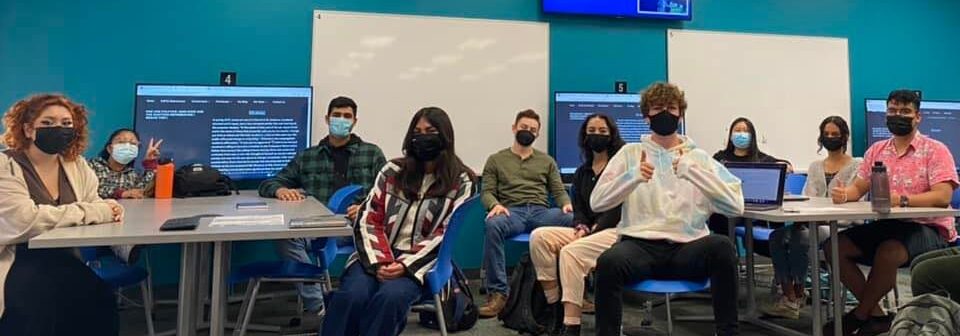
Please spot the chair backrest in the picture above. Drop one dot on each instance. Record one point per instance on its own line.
(444, 266)
(795, 183)
(343, 198)
(955, 201)
(88, 254)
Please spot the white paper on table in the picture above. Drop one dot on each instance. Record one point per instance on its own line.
(263, 220)
(815, 209)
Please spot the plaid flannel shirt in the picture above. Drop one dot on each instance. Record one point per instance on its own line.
(114, 183)
(312, 170)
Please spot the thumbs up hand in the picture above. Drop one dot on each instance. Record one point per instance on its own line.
(676, 161)
(646, 169)
(839, 193)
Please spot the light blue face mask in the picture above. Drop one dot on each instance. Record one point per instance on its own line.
(340, 127)
(740, 140)
(124, 153)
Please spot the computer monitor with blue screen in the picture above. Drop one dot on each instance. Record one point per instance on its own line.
(761, 183)
(939, 120)
(246, 132)
(571, 109)
(653, 9)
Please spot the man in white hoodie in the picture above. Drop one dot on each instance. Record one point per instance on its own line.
(668, 188)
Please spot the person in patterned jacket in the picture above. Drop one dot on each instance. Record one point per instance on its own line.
(399, 230)
(116, 170)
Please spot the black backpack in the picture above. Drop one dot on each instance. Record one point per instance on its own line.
(526, 304)
(459, 310)
(197, 180)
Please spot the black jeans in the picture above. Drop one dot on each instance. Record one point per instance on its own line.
(632, 260)
(51, 292)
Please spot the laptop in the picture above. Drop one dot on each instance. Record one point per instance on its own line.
(762, 184)
(795, 198)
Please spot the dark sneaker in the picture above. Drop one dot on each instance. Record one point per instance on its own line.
(876, 325)
(850, 325)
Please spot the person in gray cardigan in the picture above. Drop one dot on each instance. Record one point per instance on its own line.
(789, 244)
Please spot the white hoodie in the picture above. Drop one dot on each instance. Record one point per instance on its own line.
(671, 206)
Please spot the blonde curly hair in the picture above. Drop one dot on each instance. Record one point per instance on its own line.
(663, 94)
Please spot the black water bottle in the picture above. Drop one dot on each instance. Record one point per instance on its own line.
(879, 188)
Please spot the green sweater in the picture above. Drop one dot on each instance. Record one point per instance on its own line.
(511, 181)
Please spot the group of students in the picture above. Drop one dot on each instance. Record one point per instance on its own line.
(638, 211)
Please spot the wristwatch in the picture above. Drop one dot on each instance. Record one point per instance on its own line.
(904, 201)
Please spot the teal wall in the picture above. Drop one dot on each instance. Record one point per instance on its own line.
(95, 50)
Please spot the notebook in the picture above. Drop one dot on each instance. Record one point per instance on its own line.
(762, 184)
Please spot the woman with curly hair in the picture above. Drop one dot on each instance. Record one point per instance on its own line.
(46, 184)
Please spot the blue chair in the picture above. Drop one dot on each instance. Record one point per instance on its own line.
(119, 275)
(288, 271)
(669, 288)
(759, 233)
(795, 183)
(437, 278)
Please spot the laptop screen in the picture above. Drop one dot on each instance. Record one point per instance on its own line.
(761, 183)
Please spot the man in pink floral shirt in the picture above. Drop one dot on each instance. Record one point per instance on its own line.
(922, 174)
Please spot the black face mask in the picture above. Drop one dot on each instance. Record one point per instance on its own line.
(54, 140)
(597, 142)
(832, 144)
(426, 147)
(900, 125)
(664, 123)
(525, 138)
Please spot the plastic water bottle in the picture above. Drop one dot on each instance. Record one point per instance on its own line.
(164, 179)
(879, 188)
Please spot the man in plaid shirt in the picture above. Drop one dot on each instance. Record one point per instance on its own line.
(339, 160)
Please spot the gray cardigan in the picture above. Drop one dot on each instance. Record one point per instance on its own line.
(817, 182)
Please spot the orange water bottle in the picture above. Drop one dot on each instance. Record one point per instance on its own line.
(164, 179)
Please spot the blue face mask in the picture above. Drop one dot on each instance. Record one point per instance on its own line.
(740, 140)
(124, 153)
(340, 127)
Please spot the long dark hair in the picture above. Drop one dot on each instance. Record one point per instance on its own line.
(449, 166)
(104, 154)
(615, 140)
(841, 124)
(753, 151)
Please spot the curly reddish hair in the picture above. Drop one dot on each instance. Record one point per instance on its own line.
(27, 111)
(663, 94)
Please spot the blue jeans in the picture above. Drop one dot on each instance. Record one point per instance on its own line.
(499, 228)
(298, 249)
(365, 306)
(790, 252)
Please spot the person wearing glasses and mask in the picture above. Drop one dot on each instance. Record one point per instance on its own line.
(119, 178)
(922, 174)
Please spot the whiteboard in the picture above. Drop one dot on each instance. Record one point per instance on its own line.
(786, 85)
(481, 72)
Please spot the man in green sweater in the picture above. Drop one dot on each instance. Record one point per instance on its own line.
(516, 182)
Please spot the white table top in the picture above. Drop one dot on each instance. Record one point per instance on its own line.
(818, 209)
(143, 218)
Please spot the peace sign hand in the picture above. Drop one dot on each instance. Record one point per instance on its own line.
(153, 150)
